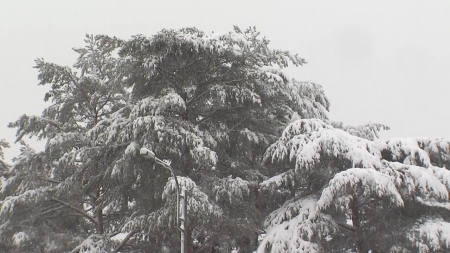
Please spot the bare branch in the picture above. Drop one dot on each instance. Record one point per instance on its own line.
(78, 210)
(51, 210)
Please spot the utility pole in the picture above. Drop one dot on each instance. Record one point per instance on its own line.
(181, 196)
(183, 220)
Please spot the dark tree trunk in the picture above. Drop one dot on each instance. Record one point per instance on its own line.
(360, 243)
(189, 242)
(99, 215)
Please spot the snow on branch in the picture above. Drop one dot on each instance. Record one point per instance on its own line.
(310, 97)
(310, 141)
(426, 183)
(368, 182)
(276, 74)
(198, 203)
(204, 155)
(67, 140)
(292, 227)
(199, 207)
(432, 182)
(408, 151)
(157, 106)
(33, 125)
(368, 131)
(93, 244)
(276, 182)
(3, 144)
(420, 151)
(305, 207)
(232, 189)
(29, 197)
(430, 234)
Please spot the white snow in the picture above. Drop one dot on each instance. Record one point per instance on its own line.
(431, 235)
(232, 189)
(309, 140)
(93, 244)
(20, 238)
(372, 183)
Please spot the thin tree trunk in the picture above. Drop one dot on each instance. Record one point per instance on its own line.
(99, 214)
(360, 243)
(100, 221)
(189, 242)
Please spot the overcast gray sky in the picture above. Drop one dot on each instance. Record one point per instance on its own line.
(378, 61)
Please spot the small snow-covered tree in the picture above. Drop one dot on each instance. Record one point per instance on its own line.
(355, 192)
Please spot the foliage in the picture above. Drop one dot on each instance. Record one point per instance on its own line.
(208, 104)
(377, 195)
(263, 166)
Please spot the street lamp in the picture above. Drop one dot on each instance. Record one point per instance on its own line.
(146, 153)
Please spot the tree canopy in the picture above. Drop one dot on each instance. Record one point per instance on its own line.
(264, 167)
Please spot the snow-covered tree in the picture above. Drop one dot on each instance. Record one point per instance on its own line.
(61, 190)
(209, 105)
(353, 191)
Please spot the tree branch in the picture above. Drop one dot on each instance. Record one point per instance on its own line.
(125, 240)
(196, 98)
(202, 247)
(78, 210)
(215, 111)
(346, 226)
(51, 210)
(50, 180)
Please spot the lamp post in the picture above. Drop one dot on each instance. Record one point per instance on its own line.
(146, 153)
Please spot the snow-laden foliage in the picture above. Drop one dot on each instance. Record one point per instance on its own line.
(198, 203)
(208, 104)
(231, 190)
(367, 131)
(371, 190)
(309, 142)
(251, 146)
(431, 182)
(3, 165)
(93, 244)
(296, 226)
(276, 182)
(430, 235)
(420, 151)
(366, 183)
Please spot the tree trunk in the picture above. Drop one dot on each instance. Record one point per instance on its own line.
(99, 214)
(360, 243)
(100, 221)
(189, 242)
